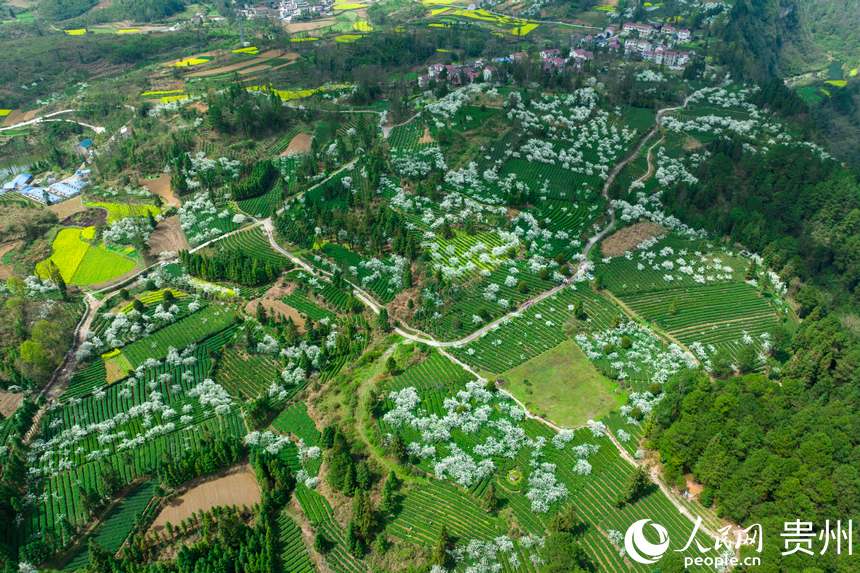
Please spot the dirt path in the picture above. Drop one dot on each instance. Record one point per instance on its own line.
(53, 117)
(60, 379)
(6, 271)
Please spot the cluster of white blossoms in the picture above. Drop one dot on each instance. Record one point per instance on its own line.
(149, 416)
(756, 127)
(126, 327)
(671, 170)
(125, 191)
(485, 556)
(477, 258)
(128, 231)
(200, 218)
(208, 173)
(36, 286)
(374, 269)
(419, 163)
(650, 207)
(678, 265)
(267, 441)
(632, 351)
(212, 394)
(650, 76)
(299, 356)
(447, 107)
(583, 139)
(476, 411)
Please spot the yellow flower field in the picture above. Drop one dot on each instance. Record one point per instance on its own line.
(288, 95)
(524, 29)
(348, 38)
(189, 61)
(250, 51)
(117, 211)
(81, 262)
(5, 112)
(349, 6)
(160, 93)
(362, 26)
(853, 73)
(838, 83)
(76, 32)
(437, 11)
(123, 31)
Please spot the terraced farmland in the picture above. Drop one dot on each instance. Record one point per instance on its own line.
(113, 531)
(253, 242)
(294, 554)
(246, 376)
(535, 330)
(719, 315)
(194, 328)
(425, 509)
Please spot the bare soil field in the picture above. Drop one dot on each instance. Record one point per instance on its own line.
(161, 187)
(237, 488)
(168, 237)
(87, 218)
(67, 208)
(246, 66)
(9, 402)
(299, 144)
(277, 307)
(627, 238)
(294, 27)
(17, 116)
(426, 137)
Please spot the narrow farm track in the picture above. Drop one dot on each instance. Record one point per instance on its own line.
(53, 117)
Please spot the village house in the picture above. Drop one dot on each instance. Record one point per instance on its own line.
(644, 30)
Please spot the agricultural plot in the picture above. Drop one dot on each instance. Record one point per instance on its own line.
(670, 262)
(61, 506)
(253, 242)
(264, 205)
(721, 318)
(337, 298)
(202, 220)
(246, 376)
(408, 137)
(189, 330)
(537, 329)
(294, 554)
(118, 525)
(301, 303)
(535, 470)
(425, 509)
(295, 420)
(117, 211)
(83, 262)
(320, 514)
(384, 278)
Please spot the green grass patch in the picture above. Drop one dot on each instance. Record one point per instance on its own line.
(562, 385)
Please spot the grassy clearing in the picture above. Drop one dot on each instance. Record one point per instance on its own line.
(563, 386)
